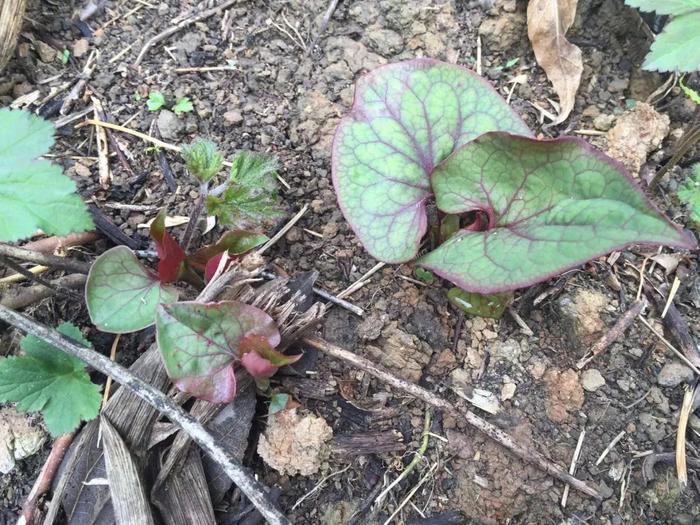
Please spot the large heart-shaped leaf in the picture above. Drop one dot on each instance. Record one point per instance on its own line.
(200, 343)
(551, 205)
(121, 294)
(406, 118)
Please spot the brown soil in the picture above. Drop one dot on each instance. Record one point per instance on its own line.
(277, 98)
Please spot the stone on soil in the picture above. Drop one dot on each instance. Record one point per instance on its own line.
(592, 380)
(169, 125)
(582, 313)
(564, 394)
(295, 444)
(674, 373)
(18, 439)
(637, 132)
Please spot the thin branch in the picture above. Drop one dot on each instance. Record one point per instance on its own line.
(53, 261)
(184, 23)
(526, 454)
(241, 476)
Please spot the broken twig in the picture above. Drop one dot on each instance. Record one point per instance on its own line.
(253, 489)
(495, 433)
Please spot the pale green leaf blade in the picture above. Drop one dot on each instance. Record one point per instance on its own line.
(551, 205)
(665, 7)
(121, 294)
(33, 193)
(48, 380)
(689, 193)
(406, 118)
(677, 48)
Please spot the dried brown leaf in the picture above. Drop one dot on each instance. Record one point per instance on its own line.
(547, 24)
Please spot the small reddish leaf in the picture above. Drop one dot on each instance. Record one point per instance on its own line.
(259, 345)
(170, 253)
(219, 387)
(213, 265)
(258, 366)
(236, 242)
(199, 341)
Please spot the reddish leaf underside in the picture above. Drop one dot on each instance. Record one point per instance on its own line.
(170, 253)
(260, 359)
(552, 205)
(200, 344)
(406, 118)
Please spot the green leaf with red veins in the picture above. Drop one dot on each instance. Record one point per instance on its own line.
(200, 343)
(406, 119)
(121, 294)
(170, 253)
(551, 205)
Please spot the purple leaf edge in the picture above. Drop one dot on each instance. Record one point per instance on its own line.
(688, 242)
(355, 111)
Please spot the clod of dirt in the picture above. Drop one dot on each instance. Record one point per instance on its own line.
(318, 118)
(295, 444)
(47, 54)
(508, 350)
(508, 390)
(637, 132)
(400, 352)
(592, 380)
(169, 125)
(582, 312)
(80, 47)
(18, 440)
(564, 394)
(504, 31)
(674, 373)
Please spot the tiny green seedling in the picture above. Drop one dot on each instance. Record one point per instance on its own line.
(63, 57)
(677, 48)
(514, 210)
(689, 92)
(183, 105)
(155, 101)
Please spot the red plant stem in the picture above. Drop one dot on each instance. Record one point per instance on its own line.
(43, 482)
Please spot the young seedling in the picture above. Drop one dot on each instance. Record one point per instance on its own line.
(524, 210)
(155, 101)
(183, 105)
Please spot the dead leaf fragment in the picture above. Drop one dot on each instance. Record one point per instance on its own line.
(80, 47)
(18, 439)
(547, 24)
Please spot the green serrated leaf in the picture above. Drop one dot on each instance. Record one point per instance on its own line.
(121, 294)
(689, 193)
(406, 119)
(424, 275)
(251, 197)
(677, 48)
(665, 7)
(33, 193)
(551, 205)
(202, 159)
(183, 105)
(155, 101)
(47, 379)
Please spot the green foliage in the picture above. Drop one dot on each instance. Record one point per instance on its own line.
(423, 130)
(251, 196)
(689, 193)
(47, 379)
(155, 101)
(689, 92)
(677, 48)
(482, 305)
(121, 294)
(34, 194)
(63, 57)
(183, 105)
(424, 275)
(201, 343)
(278, 402)
(202, 159)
